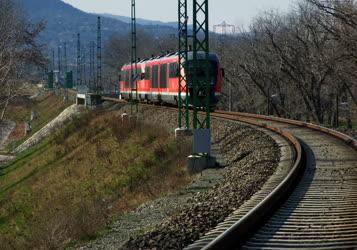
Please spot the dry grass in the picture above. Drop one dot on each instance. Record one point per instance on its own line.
(47, 106)
(96, 168)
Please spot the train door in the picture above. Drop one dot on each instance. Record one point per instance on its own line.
(173, 78)
(163, 83)
(127, 83)
(155, 82)
(147, 82)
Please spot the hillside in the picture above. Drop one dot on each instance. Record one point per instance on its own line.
(64, 22)
(47, 107)
(70, 186)
(141, 20)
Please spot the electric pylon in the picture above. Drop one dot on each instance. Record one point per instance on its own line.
(79, 81)
(59, 62)
(91, 66)
(99, 58)
(183, 97)
(65, 57)
(84, 66)
(133, 68)
(53, 60)
(201, 85)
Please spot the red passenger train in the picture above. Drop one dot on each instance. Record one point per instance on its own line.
(159, 81)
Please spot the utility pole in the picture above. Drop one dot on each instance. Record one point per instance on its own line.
(183, 97)
(65, 57)
(67, 73)
(201, 86)
(79, 81)
(84, 65)
(99, 58)
(59, 62)
(198, 82)
(53, 59)
(133, 69)
(91, 66)
(51, 73)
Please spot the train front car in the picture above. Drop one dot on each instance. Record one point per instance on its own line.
(216, 75)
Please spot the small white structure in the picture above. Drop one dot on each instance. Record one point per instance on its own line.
(201, 155)
(89, 99)
(81, 99)
(199, 162)
(124, 117)
(183, 132)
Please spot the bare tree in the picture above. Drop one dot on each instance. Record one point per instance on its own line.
(18, 50)
(339, 19)
(295, 64)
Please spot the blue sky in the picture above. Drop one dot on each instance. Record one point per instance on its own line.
(237, 12)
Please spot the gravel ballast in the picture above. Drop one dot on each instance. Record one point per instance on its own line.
(247, 157)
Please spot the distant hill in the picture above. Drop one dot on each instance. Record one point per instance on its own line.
(64, 22)
(141, 21)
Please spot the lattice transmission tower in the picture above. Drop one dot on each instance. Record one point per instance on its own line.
(133, 68)
(183, 97)
(201, 86)
(99, 86)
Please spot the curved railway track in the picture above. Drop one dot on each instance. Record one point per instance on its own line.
(313, 206)
(320, 212)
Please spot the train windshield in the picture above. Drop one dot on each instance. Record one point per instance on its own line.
(201, 71)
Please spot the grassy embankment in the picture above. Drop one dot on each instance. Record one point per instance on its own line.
(47, 107)
(70, 186)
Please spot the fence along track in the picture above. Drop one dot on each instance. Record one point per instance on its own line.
(321, 213)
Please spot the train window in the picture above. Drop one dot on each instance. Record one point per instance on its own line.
(174, 70)
(201, 71)
(163, 76)
(155, 76)
(127, 78)
(122, 75)
(148, 73)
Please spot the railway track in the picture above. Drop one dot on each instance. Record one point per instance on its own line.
(319, 213)
(312, 206)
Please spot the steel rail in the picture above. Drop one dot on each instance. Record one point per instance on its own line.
(347, 139)
(252, 220)
(262, 211)
(288, 218)
(273, 213)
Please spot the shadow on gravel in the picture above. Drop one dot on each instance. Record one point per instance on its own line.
(242, 156)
